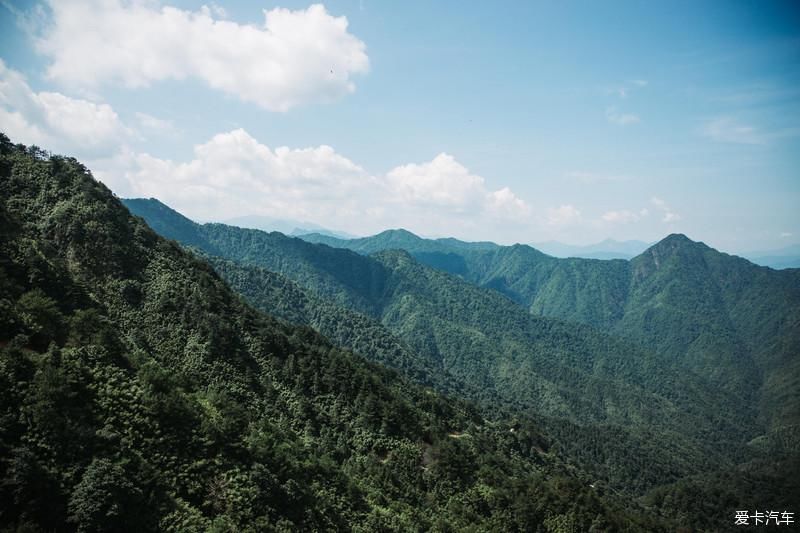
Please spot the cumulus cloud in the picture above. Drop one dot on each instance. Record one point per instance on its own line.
(234, 174)
(505, 203)
(730, 130)
(668, 214)
(442, 182)
(293, 58)
(56, 121)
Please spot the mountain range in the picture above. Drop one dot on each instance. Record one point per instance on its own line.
(713, 313)
(786, 257)
(530, 333)
(159, 374)
(139, 392)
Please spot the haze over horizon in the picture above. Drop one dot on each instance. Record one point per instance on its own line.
(520, 123)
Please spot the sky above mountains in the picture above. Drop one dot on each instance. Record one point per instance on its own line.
(516, 122)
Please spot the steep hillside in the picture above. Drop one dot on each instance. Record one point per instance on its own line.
(719, 316)
(279, 296)
(566, 374)
(138, 393)
(342, 277)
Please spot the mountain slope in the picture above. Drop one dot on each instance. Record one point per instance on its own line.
(138, 393)
(568, 375)
(279, 296)
(716, 315)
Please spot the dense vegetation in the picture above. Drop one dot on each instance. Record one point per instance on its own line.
(137, 392)
(716, 315)
(279, 296)
(640, 423)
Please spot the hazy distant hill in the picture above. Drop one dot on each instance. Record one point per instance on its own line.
(607, 249)
(787, 257)
(285, 226)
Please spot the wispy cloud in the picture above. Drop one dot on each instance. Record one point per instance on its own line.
(731, 130)
(614, 116)
(149, 123)
(755, 94)
(623, 90)
(28, 21)
(624, 216)
(668, 214)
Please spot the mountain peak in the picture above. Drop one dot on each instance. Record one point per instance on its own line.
(676, 237)
(398, 234)
(675, 242)
(675, 247)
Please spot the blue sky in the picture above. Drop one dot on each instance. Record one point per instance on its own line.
(515, 122)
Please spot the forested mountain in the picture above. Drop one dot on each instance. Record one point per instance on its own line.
(279, 296)
(717, 315)
(138, 392)
(634, 419)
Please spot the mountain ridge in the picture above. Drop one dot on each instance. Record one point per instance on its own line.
(429, 310)
(654, 293)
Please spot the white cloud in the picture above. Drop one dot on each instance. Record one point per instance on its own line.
(55, 121)
(621, 119)
(668, 214)
(785, 234)
(622, 216)
(28, 21)
(233, 174)
(505, 203)
(294, 58)
(730, 130)
(219, 11)
(443, 182)
(155, 124)
(564, 215)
